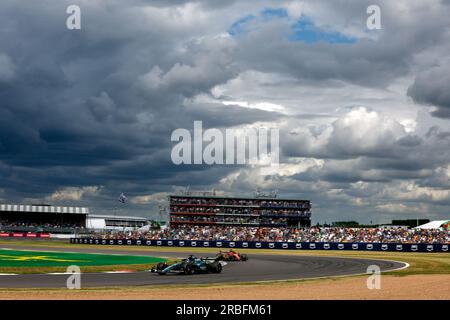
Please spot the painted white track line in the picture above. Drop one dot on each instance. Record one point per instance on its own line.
(57, 273)
(60, 251)
(339, 276)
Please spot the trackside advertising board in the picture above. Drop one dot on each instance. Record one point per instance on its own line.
(393, 247)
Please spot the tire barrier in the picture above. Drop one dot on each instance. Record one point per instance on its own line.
(357, 246)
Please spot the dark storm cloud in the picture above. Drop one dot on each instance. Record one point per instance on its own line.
(96, 106)
(432, 87)
(75, 99)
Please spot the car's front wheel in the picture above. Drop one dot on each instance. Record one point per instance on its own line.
(161, 266)
(188, 270)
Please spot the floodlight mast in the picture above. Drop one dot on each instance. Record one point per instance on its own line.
(162, 213)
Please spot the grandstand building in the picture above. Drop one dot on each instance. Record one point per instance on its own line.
(245, 212)
(44, 218)
(41, 218)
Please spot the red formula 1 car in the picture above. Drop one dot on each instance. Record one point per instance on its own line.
(231, 256)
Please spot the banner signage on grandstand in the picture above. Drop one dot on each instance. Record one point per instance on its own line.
(397, 247)
(24, 235)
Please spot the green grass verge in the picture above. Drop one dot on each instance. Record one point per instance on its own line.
(86, 269)
(24, 261)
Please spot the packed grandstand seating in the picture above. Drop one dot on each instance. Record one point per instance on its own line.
(18, 225)
(192, 210)
(241, 202)
(314, 234)
(240, 211)
(227, 219)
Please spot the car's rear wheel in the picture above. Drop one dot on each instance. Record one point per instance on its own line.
(216, 267)
(244, 257)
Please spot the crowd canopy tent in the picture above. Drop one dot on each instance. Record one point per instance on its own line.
(437, 224)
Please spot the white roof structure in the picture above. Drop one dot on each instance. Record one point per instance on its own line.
(114, 217)
(100, 221)
(433, 224)
(42, 209)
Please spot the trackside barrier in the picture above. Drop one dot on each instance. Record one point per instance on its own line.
(392, 247)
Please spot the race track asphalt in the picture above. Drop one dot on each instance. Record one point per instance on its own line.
(259, 267)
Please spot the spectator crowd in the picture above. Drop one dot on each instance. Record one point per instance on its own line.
(313, 234)
(18, 224)
(240, 211)
(240, 202)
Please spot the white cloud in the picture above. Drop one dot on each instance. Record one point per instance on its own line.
(266, 106)
(297, 166)
(73, 193)
(154, 198)
(362, 131)
(399, 208)
(411, 191)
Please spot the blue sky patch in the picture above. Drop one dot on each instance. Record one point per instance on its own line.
(238, 26)
(303, 29)
(271, 13)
